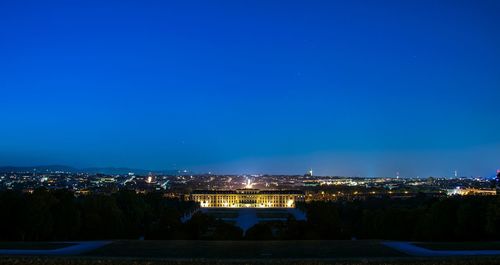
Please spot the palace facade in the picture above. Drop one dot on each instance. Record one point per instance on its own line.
(247, 198)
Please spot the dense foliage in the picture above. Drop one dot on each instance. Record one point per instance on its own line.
(466, 218)
(59, 215)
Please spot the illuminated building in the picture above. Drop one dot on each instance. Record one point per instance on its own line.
(471, 191)
(247, 198)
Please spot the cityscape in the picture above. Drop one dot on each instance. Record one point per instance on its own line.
(181, 184)
(230, 132)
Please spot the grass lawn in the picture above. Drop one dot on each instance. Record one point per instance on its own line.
(33, 245)
(246, 249)
(223, 215)
(460, 245)
(272, 215)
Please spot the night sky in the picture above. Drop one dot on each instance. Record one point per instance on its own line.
(362, 88)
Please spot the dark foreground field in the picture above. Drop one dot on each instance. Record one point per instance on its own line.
(246, 249)
(241, 252)
(135, 261)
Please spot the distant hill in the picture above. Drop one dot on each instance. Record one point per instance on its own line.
(124, 170)
(92, 170)
(49, 168)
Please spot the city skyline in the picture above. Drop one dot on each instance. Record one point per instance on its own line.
(110, 170)
(351, 88)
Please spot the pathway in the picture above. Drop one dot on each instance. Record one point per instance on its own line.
(78, 248)
(410, 249)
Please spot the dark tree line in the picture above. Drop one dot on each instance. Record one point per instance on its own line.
(59, 215)
(422, 219)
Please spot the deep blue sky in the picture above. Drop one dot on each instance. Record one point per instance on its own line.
(345, 87)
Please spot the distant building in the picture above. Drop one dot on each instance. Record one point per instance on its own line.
(310, 183)
(247, 198)
(472, 191)
(498, 181)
